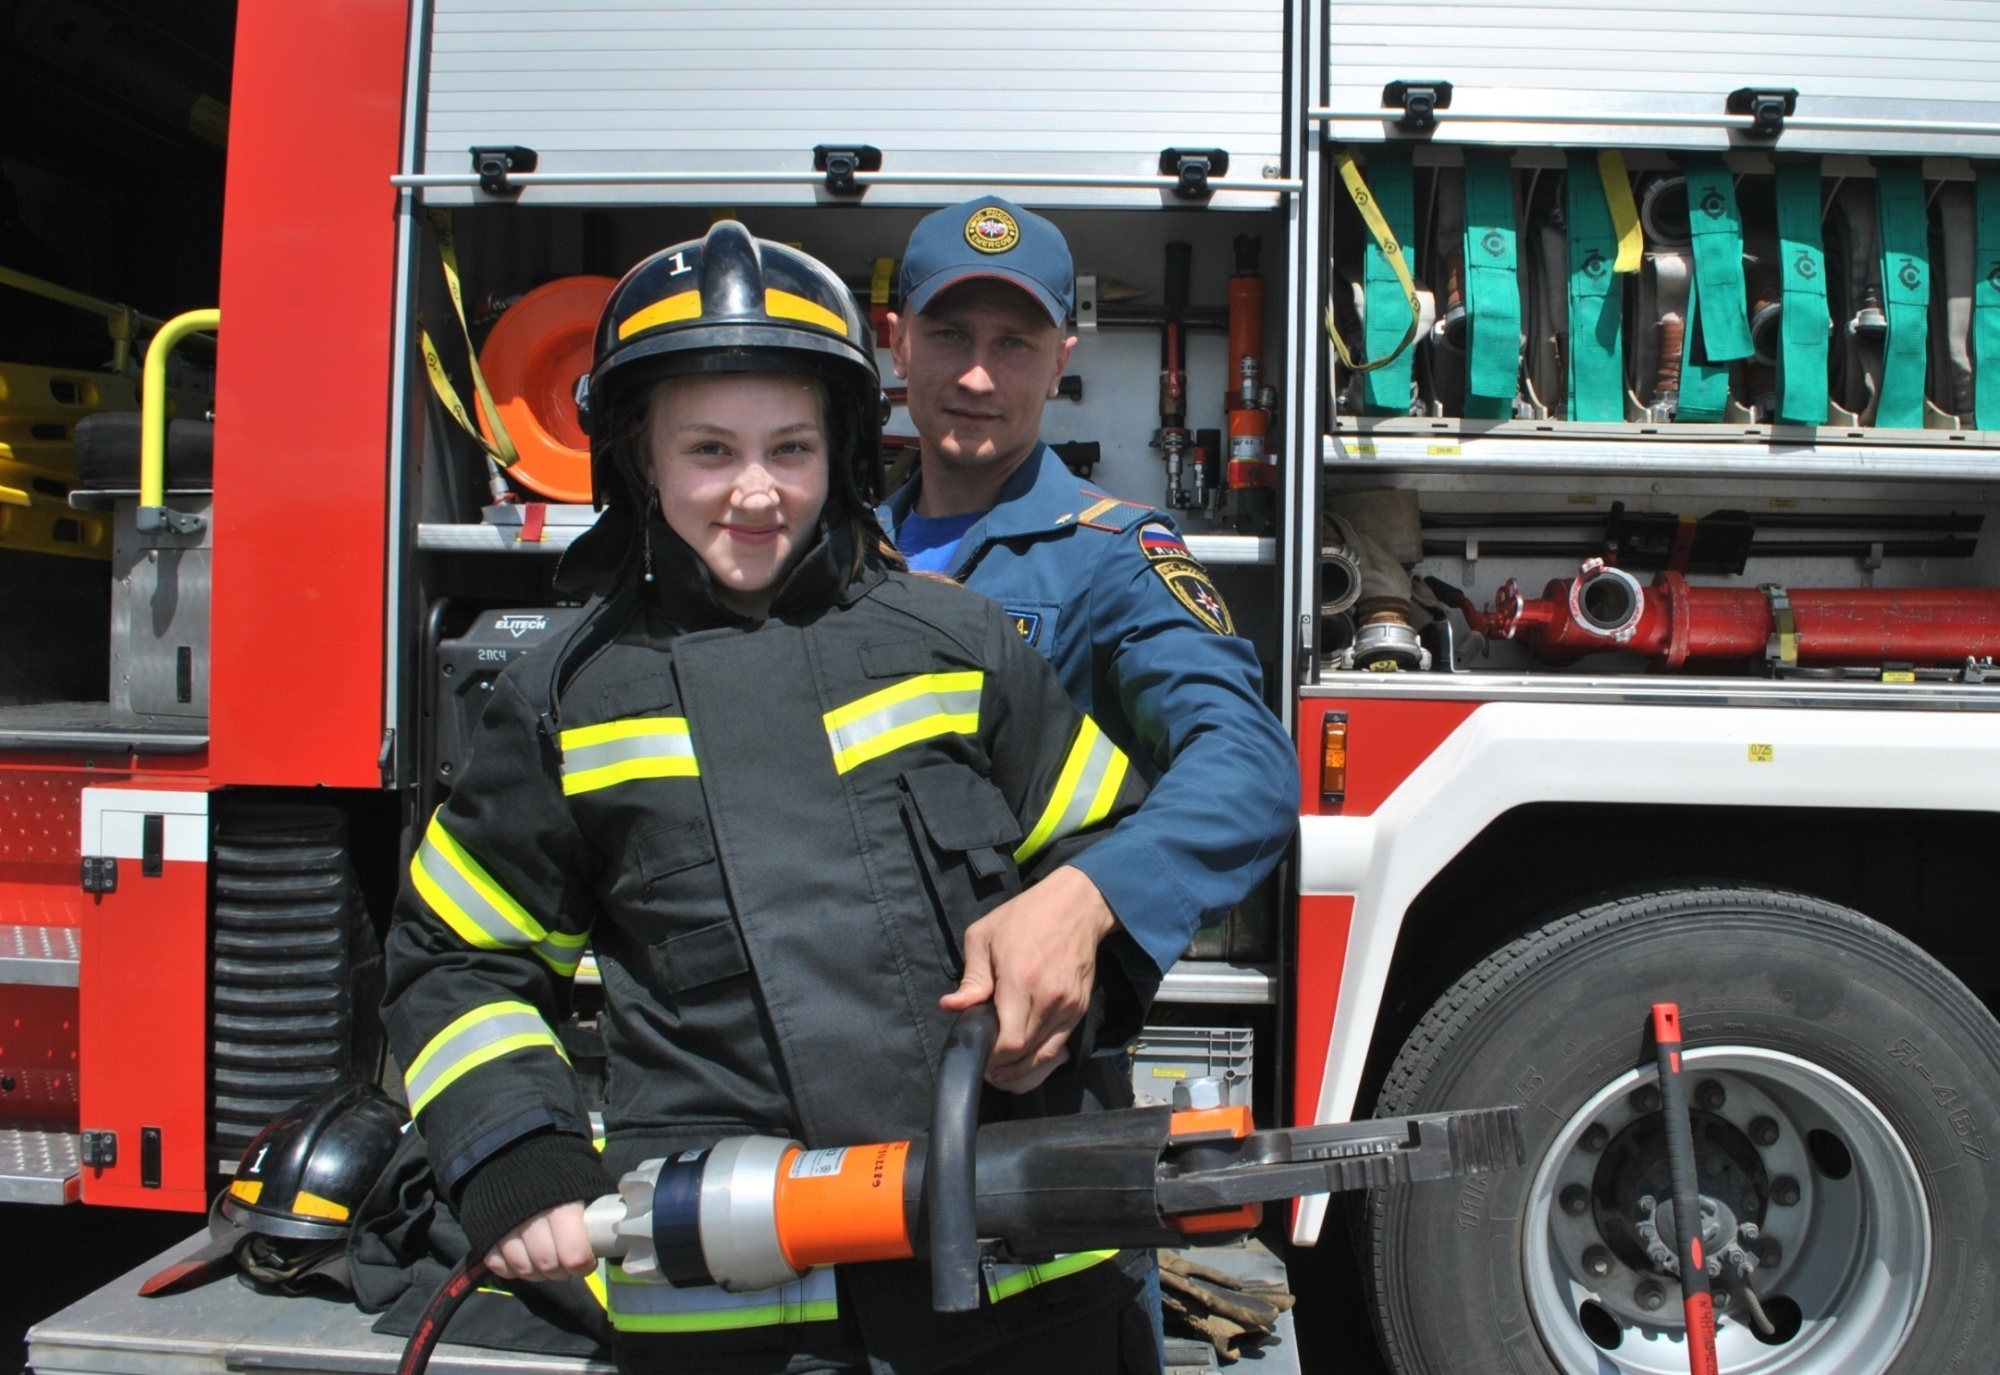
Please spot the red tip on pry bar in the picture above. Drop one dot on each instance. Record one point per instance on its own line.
(1696, 1300)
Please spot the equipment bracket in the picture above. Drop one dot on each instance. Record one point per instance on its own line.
(1419, 101)
(1194, 166)
(494, 164)
(1766, 106)
(840, 161)
(99, 1150)
(151, 520)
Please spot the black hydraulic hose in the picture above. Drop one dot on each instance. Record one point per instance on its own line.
(460, 1285)
(1697, 1301)
(951, 1194)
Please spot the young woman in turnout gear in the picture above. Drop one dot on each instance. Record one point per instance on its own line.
(772, 780)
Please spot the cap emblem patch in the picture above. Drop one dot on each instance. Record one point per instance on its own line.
(992, 230)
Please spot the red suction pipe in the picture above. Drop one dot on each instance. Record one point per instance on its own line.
(1606, 609)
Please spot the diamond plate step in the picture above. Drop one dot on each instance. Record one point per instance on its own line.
(39, 1167)
(39, 955)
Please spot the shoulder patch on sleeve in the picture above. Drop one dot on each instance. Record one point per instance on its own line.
(1167, 555)
(1114, 514)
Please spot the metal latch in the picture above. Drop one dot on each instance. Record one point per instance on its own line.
(840, 161)
(494, 165)
(100, 874)
(99, 1150)
(1419, 101)
(1193, 166)
(1767, 108)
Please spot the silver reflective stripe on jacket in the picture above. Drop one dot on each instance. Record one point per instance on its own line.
(485, 1033)
(914, 710)
(642, 1306)
(1085, 790)
(473, 904)
(612, 752)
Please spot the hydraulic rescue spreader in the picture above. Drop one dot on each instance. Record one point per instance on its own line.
(753, 1212)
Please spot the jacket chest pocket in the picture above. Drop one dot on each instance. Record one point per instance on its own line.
(964, 835)
(682, 919)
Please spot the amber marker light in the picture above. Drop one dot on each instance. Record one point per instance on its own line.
(1333, 760)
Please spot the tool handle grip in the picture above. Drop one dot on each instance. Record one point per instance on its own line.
(950, 1172)
(1696, 1299)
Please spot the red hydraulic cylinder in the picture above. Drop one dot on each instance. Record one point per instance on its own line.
(1606, 609)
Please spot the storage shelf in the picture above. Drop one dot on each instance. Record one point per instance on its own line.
(1526, 447)
(505, 539)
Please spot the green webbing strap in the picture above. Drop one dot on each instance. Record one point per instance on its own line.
(1596, 352)
(1804, 320)
(1492, 296)
(1386, 390)
(1718, 260)
(1986, 308)
(1704, 385)
(1906, 294)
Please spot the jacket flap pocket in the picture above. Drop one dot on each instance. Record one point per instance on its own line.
(896, 659)
(961, 810)
(649, 696)
(669, 849)
(700, 957)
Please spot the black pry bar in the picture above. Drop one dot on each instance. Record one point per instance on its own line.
(1377, 1154)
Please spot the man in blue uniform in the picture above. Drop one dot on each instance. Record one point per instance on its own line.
(1109, 592)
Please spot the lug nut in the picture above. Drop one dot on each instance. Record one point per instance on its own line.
(1784, 1191)
(1595, 1137)
(1651, 1297)
(1710, 1096)
(1576, 1200)
(1764, 1131)
(1769, 1254)
(1747, 1230)
(1646, 1099)
(1597, 1262)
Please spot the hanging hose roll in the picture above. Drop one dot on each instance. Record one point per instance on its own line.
(1392, 254)
(1716, 229)
(1386, 390)
(1906, 294)
(1596, 299)
(1492, 292)
(1986, 307)
(1804, 321)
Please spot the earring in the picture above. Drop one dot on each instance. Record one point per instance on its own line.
(646, 529)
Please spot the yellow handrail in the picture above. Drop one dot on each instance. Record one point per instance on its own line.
(153, 406)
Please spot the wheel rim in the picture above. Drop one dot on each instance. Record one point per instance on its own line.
(1846, 1261)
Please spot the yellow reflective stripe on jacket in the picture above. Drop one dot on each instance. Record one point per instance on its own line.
(916, 709)
(1005, 1281)
(483, 914)
(1085, 790)
(648, 1306)
(485, 1033)
(598, 756)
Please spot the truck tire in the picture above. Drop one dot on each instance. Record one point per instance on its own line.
(1847, 1093)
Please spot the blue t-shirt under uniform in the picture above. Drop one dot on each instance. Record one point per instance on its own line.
(930, 542)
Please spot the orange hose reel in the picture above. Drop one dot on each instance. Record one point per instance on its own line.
(532, 359)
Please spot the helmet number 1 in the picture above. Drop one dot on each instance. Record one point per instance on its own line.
(679, 260)
(257, 1165)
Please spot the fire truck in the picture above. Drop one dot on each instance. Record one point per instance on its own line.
(1585, 410)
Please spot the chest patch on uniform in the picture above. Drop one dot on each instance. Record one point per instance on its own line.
(1167, 555)
(1027, 624)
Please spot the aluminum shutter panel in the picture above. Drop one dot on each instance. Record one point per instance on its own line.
(753, 85)
(1933, 61)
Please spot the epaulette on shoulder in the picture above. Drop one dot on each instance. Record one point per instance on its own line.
(1113, 514)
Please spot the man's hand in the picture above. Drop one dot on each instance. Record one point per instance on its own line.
(552, 1245)
(1035, 956)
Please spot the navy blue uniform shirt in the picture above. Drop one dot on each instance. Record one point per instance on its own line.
(1143, 644)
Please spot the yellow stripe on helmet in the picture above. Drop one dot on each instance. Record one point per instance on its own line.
(685, 306)
(785, 306)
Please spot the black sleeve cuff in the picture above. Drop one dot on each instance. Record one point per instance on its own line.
(531, 1176)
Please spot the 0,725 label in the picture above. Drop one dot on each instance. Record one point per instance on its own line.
(818, 1164)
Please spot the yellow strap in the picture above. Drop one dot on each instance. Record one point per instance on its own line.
(501, 447)
(1371, 215)
(1624, 214)
(881, 281)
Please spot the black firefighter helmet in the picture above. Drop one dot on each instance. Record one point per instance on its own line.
(731, 302)
(285, 1214)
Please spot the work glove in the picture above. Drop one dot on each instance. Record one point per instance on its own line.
(1224, 1311)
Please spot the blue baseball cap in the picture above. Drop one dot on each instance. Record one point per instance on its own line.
(991, 238)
